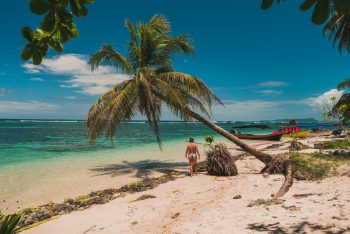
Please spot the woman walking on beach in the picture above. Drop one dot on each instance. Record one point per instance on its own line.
(192, 153)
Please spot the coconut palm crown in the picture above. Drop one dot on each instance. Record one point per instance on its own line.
(153, 82)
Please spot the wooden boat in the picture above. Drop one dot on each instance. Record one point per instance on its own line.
(301, 134)
(266, 137)
(275, 136)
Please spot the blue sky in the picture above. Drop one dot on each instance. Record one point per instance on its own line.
(263, 64)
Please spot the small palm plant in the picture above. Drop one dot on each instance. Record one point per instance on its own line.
(8, 223)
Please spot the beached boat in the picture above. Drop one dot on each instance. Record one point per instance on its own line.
(267, 137)
(275, 136)
(301, 134)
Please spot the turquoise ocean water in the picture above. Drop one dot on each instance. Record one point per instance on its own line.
(23, 141)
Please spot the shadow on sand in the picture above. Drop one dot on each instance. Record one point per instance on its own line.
(143, 168)
(303, 227)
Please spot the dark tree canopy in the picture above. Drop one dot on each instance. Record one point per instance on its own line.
(344, 101)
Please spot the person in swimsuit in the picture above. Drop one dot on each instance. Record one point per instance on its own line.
(192, 154)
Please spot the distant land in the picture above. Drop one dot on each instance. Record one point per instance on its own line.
(306, 120)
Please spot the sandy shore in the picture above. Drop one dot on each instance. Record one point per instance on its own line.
(205, 204)
(55, 180)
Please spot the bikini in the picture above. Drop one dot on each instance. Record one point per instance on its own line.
(192, 155)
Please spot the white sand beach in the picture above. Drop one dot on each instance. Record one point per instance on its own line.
(207, 204)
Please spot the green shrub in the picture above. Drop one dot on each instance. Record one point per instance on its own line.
(337, 144)
(315, 169)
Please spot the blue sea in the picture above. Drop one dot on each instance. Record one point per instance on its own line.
(49, 160)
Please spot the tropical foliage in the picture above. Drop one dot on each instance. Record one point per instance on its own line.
(153, 83)
(335, 13)
(342, 107)
(8, 223)
(56, 27)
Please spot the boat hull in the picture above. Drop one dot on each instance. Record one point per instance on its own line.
(301, 134)
(267, 137)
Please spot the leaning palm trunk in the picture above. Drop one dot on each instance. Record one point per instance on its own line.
(267, 159)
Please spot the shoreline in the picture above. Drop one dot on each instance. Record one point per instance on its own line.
(220, 205)
(248, 167)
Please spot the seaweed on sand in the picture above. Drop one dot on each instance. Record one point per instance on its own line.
(33, 216)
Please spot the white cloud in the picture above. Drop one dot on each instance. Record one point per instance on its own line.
(75, 66)
(40, 110)
(7, 107)
(70, 97)
(270, 92)
(325, 99)
(272, 84)
(37, 79)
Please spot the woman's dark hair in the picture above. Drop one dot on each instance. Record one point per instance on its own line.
(190, 139)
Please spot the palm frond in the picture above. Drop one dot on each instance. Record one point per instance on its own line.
(134, 56)
(192, 85)
(111, 109)
(160, 24)
(338, 28)
(148, 104)
(109, 56)
(179, 100)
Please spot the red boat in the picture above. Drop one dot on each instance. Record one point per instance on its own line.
(274, 136)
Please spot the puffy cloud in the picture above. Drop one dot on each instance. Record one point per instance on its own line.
(327, 99)
(81, 77)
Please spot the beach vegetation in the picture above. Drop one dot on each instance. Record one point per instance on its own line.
(342, 107)
(8, 223)
(134, 223)
(220, 161)
(311, 167)
(265, 202)
(331, 157)
(56, 28)
(154, 84)
(209, 139)
(335, 144)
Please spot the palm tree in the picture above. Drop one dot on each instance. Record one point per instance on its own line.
(338, 28)
(154, 84)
